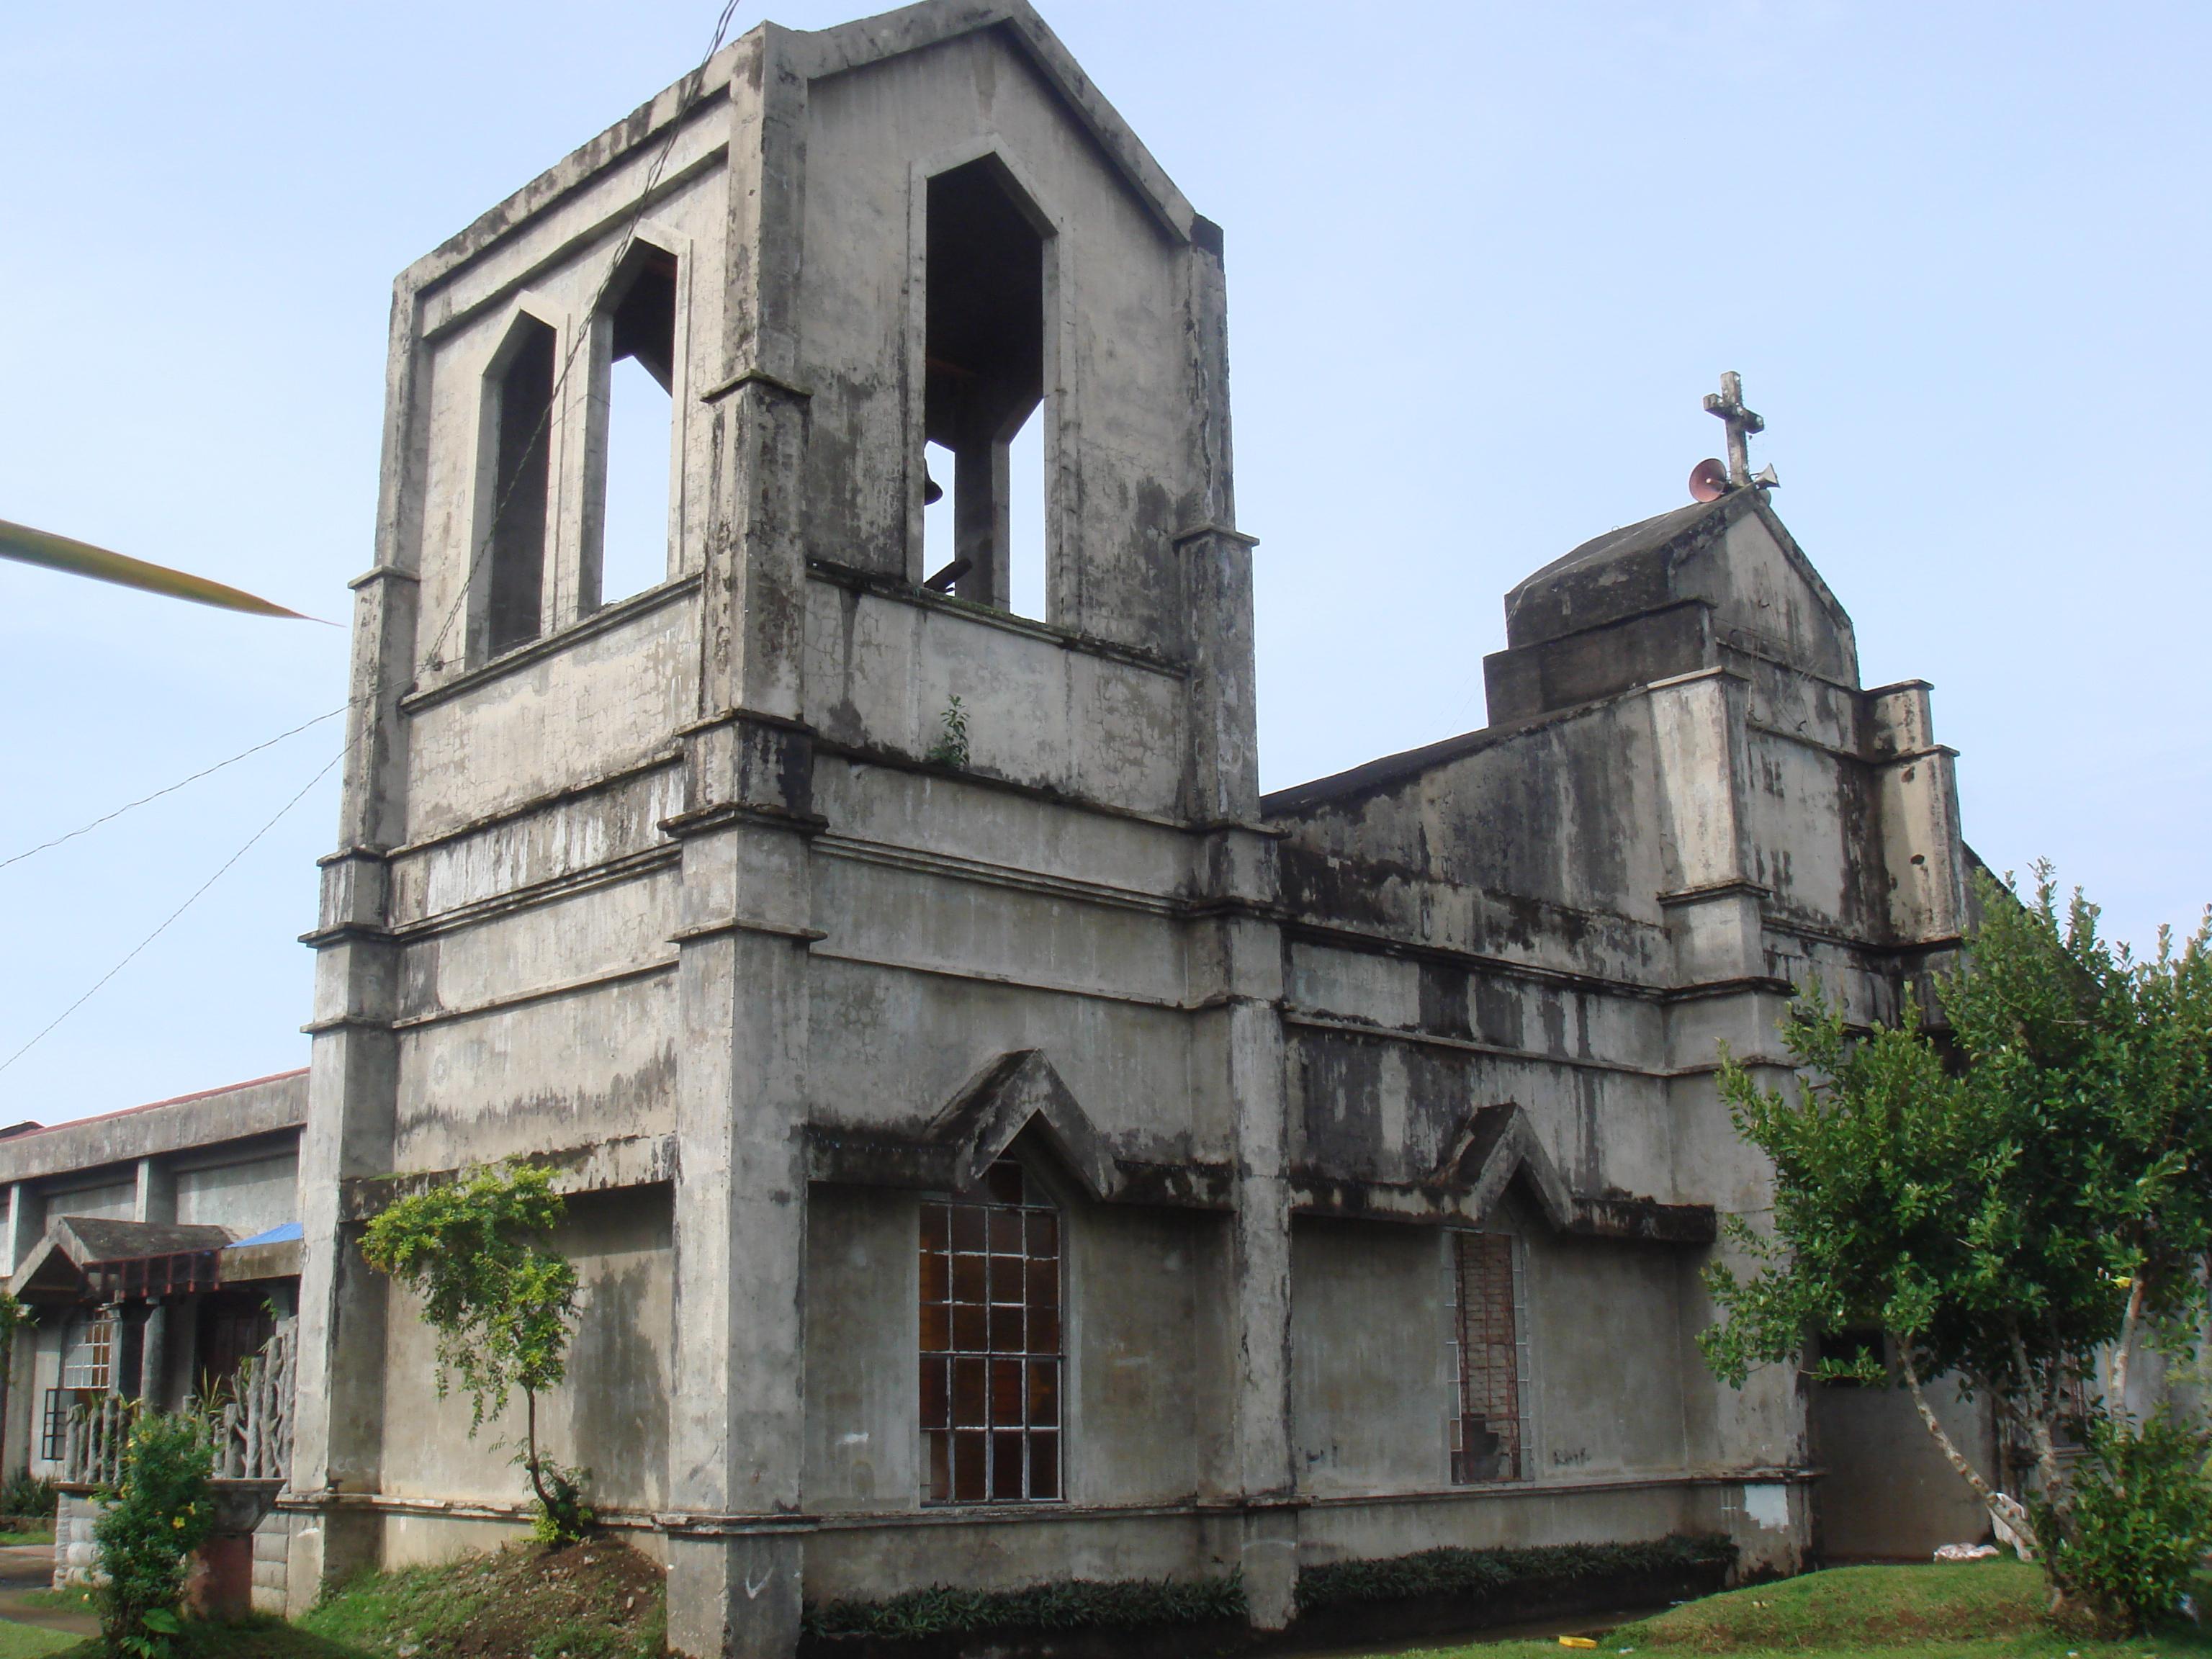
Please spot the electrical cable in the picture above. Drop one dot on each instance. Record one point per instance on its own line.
(622, 252)
(434, 658)
(138, 948)
(204, 772)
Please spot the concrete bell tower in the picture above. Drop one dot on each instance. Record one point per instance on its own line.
(689, 893)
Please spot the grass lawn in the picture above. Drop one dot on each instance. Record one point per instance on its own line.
(30, 1642)
(600, 1601)
(28, 1536)
(1981, 1610)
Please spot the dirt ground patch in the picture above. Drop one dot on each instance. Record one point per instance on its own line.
(597, 1599)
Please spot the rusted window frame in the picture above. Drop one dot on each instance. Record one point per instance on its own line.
(992, 1361)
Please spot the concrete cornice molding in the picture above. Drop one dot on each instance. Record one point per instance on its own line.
(1496, 1147)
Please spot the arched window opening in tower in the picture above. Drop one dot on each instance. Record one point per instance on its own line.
(639, 460)
(516, 490)
(983, 383)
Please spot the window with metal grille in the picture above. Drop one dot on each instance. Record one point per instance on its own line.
(1489, 1339)
(53, 1425)
(991, 1343)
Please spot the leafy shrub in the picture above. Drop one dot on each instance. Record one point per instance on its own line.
(1493, 1572)
(23, 1496)
(1069, 1605)
(2141, 1521)
(159, 1511)
(559, 1513)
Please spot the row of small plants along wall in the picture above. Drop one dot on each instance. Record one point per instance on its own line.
(1489, 1574)
(922, 1615)
(1070, 1605)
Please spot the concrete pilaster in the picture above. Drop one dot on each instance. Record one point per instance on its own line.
(353, 1067)
(26, 1221)
(1242, 971)
(1918, 790)
(736, 1431)
(155, 1199)
(739, 1420)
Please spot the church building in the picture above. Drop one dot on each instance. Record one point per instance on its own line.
(1003, 1146)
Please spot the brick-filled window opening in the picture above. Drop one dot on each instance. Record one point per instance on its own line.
(991, 1354)
(1488, 1343)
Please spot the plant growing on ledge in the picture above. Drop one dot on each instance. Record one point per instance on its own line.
(951, 747)
(501, 1299)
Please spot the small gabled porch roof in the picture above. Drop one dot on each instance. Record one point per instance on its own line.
(92, 1258)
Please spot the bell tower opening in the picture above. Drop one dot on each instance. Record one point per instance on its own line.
(521, 407)
(984, 377)
(638, 387)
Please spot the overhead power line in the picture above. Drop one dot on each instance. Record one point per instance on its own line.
(132, 955)
(170, 789)
(614, 266)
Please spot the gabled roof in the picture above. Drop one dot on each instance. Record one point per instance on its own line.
(1631, 569)
(93, 1240)
(816, 55)
(78, 1248)
(911, 28)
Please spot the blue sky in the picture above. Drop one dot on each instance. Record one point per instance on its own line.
(1484, 261)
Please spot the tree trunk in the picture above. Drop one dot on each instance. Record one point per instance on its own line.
(2039, 1428)
(529, 1454)
(2119, 1387)
(1952, 1454)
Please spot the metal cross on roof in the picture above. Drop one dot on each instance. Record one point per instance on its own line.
(1728, 404)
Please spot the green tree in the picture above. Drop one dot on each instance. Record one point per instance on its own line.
(2021, 1204)
(501, 1298)
(157, 1514)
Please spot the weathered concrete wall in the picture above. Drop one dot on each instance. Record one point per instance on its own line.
(1386, 1103)
(607, 704)
(1371, 1384)
(1374, 1383)
(611, 1415)
(1151, 1359)
(863, 1449)
(863, 1558)
(1887, 1492)
(1142, 1379)
(112, 1200)
(272, 1547)
(246, 1198)
(1610, 1390)
(1512, 1517)
(882, 668)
